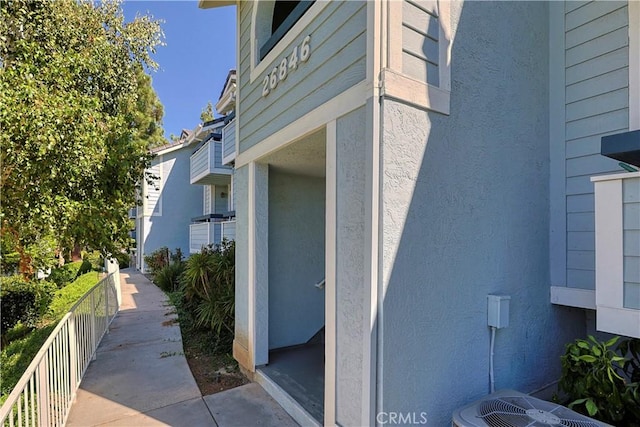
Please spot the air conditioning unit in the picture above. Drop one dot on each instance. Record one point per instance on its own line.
(508, 408)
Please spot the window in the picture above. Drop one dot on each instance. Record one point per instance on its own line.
(274, 26)
(285, 14)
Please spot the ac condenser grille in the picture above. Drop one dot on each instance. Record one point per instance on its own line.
(516, 411)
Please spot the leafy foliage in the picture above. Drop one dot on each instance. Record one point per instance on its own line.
(157, 259)
(17, 355)
(207, 113)
(168, 277)
(66, 274)
(602, 381)
(208, 283)
(95, 259)
(23, 301)
(77, 117)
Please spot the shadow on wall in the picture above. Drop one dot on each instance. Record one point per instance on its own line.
(180, 202)
(466, 213)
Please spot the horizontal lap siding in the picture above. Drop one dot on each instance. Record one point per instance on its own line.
(216, 229)
(337, 62)
(597, 98)
(199, 162)
(217, 156)
(230, 230)
(206, 208)
(420, 33)
(199, 235)
(229, 139)
(154, 190)
(631, 227)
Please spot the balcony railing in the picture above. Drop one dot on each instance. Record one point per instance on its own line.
(206, 165)
(206, 233)
(617, 220)
(229, 142)
(44, 394)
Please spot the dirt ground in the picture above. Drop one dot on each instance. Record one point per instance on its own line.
(213, 374)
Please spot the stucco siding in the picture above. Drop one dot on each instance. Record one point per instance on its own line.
(631, 245)
(296, 258)
(241, 184)
(465, 214)
(180, 202)
(350, 265)
(596, 104)
(337, 62)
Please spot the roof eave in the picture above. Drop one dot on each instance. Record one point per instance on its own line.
(209, 4)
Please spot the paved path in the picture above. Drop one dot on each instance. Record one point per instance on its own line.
(141, 377)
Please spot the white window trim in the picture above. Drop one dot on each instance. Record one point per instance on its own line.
(396, 84)
(634, 65)
(259, 67)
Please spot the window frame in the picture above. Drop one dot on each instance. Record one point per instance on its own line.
(295, 15)
(262, 14)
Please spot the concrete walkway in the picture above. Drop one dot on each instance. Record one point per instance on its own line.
(141, 377)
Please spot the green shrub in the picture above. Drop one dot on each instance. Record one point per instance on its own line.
(16, 356)
(602, 381)
(23, 301)
(208, 284)
(157, 260)
(95, 259)
(167, 278)
(66, 274)
(123, 259)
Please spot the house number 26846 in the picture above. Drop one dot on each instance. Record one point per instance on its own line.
(288, 64)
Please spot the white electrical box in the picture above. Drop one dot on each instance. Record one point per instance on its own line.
(498, 310)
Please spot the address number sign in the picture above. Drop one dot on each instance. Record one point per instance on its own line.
(288, 64)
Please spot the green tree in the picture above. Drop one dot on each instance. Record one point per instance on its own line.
(76, 121)
(148, 113)
(207, 113)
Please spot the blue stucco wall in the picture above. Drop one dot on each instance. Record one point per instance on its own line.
(296, 258)
(241, 183)
(351, 296)
(465, 213)
(180, 200)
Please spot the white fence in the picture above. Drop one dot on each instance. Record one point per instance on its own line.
(44, 394)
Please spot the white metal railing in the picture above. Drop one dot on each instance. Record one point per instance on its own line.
(44, 394)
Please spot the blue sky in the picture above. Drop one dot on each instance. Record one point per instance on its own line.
(199, 52)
